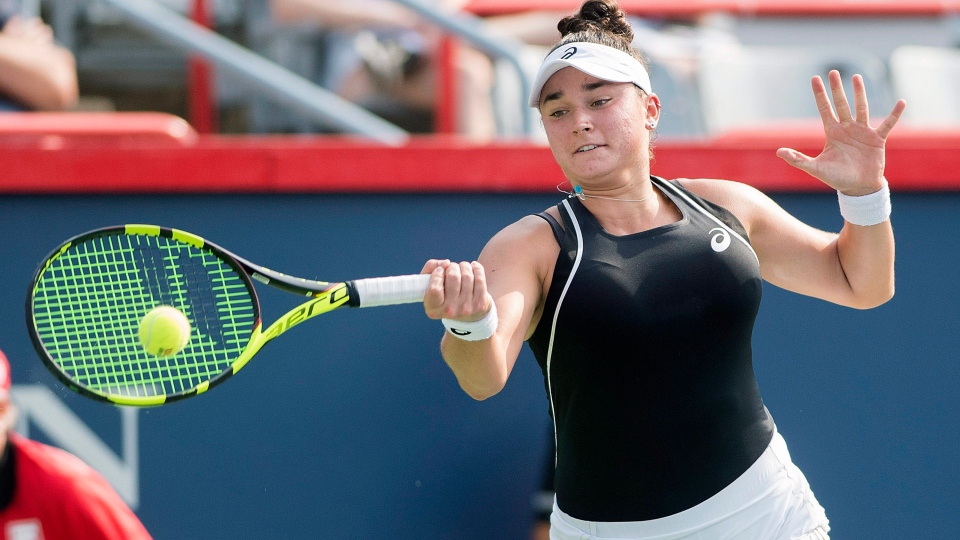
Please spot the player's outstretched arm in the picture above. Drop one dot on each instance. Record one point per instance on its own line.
(854, 268)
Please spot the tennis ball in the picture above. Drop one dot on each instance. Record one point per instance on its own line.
(164, 331)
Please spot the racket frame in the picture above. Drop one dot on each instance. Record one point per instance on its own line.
(325, 297)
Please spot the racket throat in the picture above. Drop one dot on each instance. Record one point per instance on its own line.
(323, 303)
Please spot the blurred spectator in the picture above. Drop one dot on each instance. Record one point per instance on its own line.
(35, 73)
(49, 494)
(536, 27)
(671, 47)
(378, 52)
(382, 56)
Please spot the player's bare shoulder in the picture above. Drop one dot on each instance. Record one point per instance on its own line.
(524, 252)
(743, 200)
(529, 241)
(718, 190)
(520, 259)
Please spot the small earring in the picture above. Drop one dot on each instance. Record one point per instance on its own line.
(651, 125)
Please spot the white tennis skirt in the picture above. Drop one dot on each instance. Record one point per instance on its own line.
(770, 501)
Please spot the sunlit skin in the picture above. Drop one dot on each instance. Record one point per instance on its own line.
(579, 110)
(853, 158)
(611, 123)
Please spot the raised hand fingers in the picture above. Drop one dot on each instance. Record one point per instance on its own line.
(860, 100)
(823, 102)
(839, 97)
(883, 130)
(840, 103)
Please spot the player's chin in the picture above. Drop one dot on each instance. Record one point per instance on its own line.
(584, 173)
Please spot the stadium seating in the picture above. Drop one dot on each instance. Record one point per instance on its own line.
(748, 86)
(929, 79)
(138, 72)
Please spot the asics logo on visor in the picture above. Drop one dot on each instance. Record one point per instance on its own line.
(569, 52)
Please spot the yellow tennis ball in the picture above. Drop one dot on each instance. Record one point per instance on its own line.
(164, 331)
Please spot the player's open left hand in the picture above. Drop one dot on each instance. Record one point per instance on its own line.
(852, 159)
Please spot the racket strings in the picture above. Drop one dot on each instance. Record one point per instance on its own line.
(90, 299)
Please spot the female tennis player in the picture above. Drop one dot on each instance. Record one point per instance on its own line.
(638, 297)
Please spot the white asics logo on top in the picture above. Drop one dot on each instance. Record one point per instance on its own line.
(719, 239)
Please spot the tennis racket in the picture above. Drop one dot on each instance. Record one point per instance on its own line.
(87, 298)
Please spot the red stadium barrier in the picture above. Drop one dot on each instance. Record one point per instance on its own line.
(151, 158)
(71, 129)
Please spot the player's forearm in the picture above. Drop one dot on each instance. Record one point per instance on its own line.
(42, 80)
(480, 366)
(867, 257)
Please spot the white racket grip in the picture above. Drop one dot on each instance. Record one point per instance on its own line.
(387, 291)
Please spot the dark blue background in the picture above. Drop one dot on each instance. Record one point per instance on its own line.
(351, 426)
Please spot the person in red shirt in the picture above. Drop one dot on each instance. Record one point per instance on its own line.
(49, 494)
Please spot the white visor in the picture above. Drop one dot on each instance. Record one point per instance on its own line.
(595, 60)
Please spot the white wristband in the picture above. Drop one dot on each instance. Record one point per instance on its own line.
(475, 330)
(867, 209)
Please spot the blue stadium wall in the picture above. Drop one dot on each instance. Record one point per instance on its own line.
(351, 426)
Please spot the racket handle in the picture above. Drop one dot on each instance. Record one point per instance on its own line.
(386, 291)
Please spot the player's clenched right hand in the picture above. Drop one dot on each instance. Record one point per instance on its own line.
(456, 290)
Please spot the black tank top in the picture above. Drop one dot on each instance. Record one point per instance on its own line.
(644, 343)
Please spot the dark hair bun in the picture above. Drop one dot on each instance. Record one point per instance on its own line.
(598, 16)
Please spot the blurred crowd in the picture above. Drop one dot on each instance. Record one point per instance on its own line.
(387, 59)
(35, 72)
